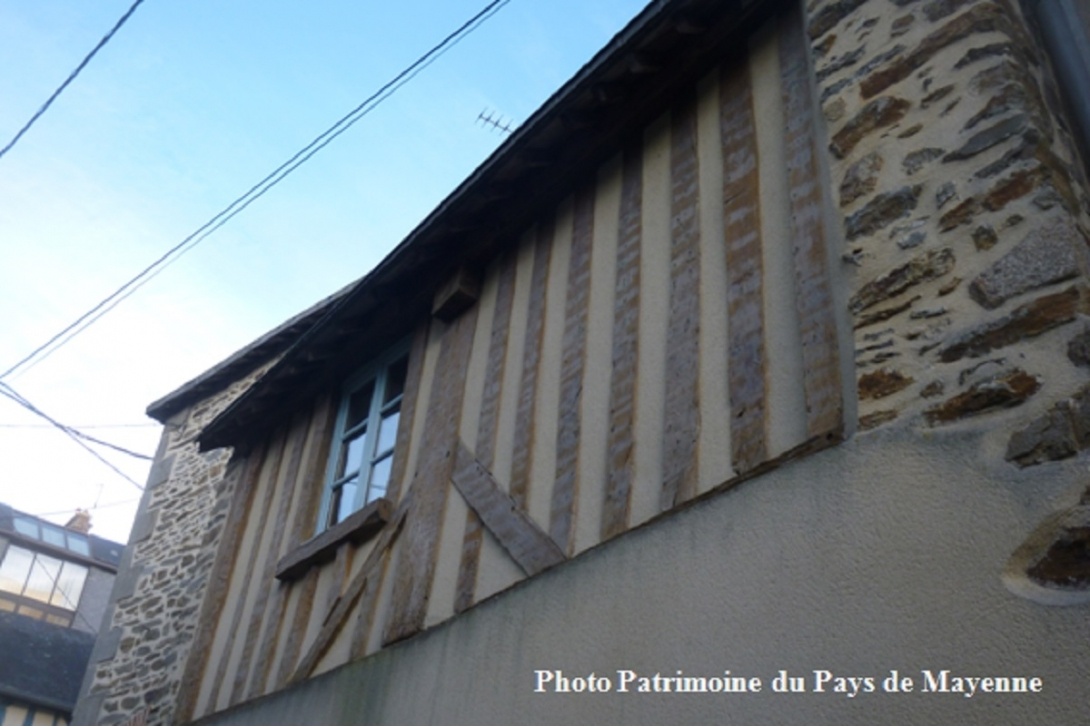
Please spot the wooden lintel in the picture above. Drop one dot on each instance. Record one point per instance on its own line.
(527, 544)
(339, 609)
(355, 528)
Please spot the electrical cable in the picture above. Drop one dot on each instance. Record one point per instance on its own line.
(257, 190)
(18, 398)
(75, 436)
(71, 76)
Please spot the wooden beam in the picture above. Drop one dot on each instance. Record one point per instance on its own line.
(523, 443)
(681, 425)
(340, 608)
(487, 424)
(356, 528)
(814, 298)
(573, 356)
(745, 269)
(419, 552)
(527, 544)
(621, 444)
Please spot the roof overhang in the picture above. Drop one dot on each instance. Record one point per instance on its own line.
(605, 107)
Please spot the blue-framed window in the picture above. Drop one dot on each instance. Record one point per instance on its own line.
(362, 455)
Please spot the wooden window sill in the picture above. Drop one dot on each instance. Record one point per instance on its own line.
(356, 528)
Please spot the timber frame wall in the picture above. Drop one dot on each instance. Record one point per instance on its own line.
(539, 422)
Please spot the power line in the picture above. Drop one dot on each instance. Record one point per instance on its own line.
(93, 508)
(76, 436)
(147, 425)
(256, 191)
(71, 77)
(22, 401)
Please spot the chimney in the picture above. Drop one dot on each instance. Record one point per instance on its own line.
(80, 522)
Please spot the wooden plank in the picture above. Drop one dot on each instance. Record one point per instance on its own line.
(248, 678)
(306, 518)
(247, 472)
(814, 299)
(413, 376)
(530, 547)
(487, 426)
(626, 319)
(418, 551)
(294, 643)
(742, 232)
(243, 576)
(365, 612)
(681, 413)
(356, 528)
(572, 364)
(341, 606)
(525, 418)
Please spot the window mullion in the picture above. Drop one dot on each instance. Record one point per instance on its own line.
(374, 416)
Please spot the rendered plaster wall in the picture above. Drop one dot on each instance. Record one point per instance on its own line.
(138, 661)
(881, 554)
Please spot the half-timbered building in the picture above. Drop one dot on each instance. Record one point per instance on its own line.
(760, 348)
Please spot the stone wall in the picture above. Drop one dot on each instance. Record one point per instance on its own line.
(965, 216)
(139, 659)
(965, 212)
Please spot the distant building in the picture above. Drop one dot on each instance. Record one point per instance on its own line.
(55, 583)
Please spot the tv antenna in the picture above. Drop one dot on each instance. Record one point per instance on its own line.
(494, 121)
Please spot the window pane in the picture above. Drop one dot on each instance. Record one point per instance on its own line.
(6, 605)
(43, 575)
(53, 535)
(344, 501)
(69, 586)
(352, 456)
(15, 569)
(387, 432)
(59, 620)
(359, 403)
(26, 526)
(395, 379)
(78, 544)
(30, 611)
(380, 477)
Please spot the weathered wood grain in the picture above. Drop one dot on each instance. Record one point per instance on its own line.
(527, 544)
(256, 520)
(621, 443)
(418, 551)
(572, 363)
(413, 376)
(742, 232)
(261, 632)
(487, 426)
(343, 605)
(525, 418)
(305, 520)
(681, 414)
(814, 300)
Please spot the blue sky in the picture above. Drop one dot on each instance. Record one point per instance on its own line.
(189, 105)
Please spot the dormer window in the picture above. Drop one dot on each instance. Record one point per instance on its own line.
(366, 433)
(40, 586)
